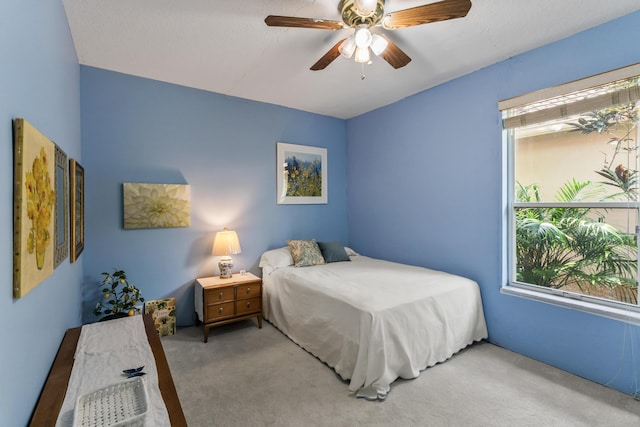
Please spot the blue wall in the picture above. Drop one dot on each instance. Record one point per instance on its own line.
(140, 130)
(39, 81)
(425, 178)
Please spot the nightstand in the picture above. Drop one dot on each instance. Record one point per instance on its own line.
(221, 301)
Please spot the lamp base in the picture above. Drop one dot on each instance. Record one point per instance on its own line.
(226, 266)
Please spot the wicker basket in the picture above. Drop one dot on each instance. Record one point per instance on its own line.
(122, 404)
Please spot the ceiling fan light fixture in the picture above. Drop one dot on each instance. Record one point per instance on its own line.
(361, 16)
(362, 54)
(347, 47)
(378, 44)
(363, 37)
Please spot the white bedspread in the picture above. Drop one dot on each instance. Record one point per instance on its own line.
(374, 321)
(104, 349)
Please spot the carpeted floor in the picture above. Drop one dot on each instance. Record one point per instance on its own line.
(245, 376)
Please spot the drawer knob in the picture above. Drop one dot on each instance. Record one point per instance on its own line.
(248, 290)
(221, 294)
(220, 310)
(248, 304)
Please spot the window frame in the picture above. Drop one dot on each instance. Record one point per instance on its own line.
(599, 306)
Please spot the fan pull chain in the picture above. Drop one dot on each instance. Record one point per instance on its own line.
(362, 76)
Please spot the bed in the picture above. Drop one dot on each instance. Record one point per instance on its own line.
(372, 321)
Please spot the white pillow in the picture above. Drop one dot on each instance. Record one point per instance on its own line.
(276, 258)
(350, 251)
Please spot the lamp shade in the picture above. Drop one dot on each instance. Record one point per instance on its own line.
(362, 54)
(226, 243)
(363, 36)
(378, 44)
(347, 47)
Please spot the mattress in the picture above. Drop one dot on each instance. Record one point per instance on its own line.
(374, 321)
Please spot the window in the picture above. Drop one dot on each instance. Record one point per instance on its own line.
(572, 184)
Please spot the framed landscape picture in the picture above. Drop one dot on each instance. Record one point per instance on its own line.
(301, 174)
(34, 200)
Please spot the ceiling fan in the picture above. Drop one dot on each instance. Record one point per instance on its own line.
(362, 16)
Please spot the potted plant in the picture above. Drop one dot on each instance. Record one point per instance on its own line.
(119, 297)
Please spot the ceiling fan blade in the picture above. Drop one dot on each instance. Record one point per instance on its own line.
(292, 21)
(434, 12)
(328, 57)
(394, 55)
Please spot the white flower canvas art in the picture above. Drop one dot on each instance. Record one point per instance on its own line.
(156, 205)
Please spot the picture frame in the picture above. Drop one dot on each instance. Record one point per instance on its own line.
(156, 205)
(76, 210)
(62, 207)
(301, 176)
(34, 205)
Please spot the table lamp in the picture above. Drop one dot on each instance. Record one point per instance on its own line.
(225, 244)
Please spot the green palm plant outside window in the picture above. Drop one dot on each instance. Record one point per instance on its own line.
(556, 247)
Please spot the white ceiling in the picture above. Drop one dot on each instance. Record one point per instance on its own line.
(225, 46)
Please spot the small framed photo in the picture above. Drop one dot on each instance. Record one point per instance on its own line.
(301, 174)
(62, 207)
(76, 208)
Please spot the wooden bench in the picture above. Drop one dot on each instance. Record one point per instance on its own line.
(53, 393)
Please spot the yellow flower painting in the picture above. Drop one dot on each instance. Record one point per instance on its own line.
(34, 207)
(156, 205)
(40, 204)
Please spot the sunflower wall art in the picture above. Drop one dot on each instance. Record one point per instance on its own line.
(34, 234)
(156, 205)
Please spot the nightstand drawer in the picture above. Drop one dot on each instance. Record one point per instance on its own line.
(218, 311)
(250, 290)
(248, 305)
(213, 296)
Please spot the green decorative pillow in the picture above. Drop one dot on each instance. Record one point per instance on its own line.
(305, 252)
(333, 252)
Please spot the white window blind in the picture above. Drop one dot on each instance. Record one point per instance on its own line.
(617, 87)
